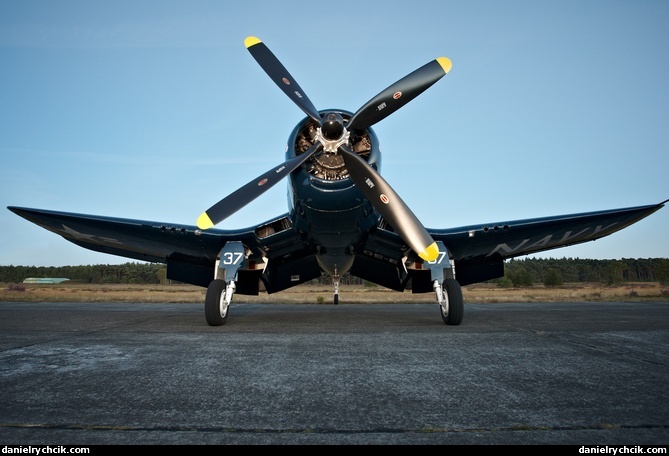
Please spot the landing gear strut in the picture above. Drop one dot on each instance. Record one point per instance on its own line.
(447, 289)
(220, 290)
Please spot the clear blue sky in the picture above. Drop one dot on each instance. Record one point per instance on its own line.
(155, 110)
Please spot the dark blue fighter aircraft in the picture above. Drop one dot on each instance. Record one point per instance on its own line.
(342, 217)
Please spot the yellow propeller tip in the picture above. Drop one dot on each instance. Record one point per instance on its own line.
(445, 63)
(251, 41)
(204, 222)
(430, 253)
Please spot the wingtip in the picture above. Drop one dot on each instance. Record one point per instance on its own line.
(445, 63)
(251, 41)
(19, 210)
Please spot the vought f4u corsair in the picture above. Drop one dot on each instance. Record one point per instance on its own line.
(343, 217)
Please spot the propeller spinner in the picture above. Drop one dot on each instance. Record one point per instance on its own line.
(332, 136)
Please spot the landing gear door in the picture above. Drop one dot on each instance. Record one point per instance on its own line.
(442, 268)
(232, 258)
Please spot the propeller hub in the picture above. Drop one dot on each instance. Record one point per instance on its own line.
(332, 126)
(332, 133)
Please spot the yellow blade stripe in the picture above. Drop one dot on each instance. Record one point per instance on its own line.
(430, 253)
(251, 41)
(204, 222)
(445, 63)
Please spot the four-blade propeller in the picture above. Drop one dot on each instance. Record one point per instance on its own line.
(333, 137)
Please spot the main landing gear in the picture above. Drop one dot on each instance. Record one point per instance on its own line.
(220, 290)
(232, 258)
(447, 289)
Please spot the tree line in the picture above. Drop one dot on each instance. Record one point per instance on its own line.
(140, 273)
(518, 272)
(555, 272)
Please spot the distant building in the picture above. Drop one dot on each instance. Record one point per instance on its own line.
(44, 280)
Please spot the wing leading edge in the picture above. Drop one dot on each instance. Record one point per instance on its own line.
(480, 250)
(190, 254)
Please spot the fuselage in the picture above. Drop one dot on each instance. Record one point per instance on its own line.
(324, 203)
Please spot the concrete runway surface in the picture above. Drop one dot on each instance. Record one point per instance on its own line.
(110, 373)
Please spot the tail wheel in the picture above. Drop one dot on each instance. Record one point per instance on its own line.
(215, 305)
(453, 312)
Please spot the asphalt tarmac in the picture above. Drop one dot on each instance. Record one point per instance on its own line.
(590, 374)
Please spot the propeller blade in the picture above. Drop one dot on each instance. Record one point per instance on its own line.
(390, 205)
(399, 94)
(281, 77)
(244, 195)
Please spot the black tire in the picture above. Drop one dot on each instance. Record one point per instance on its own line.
(336, 299)
(456, 305)
(212, 303)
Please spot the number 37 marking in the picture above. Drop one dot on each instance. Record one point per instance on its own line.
(232, 257)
